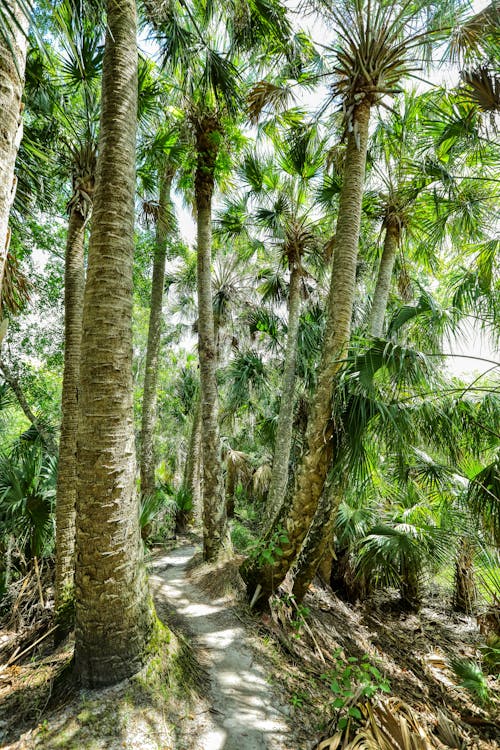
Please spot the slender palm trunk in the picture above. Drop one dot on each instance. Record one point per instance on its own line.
(74, 281)
(12, 64)
(193, 468)
(113, 610)
(384, 278)
(318, 453)
(215, 531)
(149, 400)
(284, 431)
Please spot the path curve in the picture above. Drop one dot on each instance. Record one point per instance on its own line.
(245, 713)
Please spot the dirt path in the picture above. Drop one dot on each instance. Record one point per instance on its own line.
(243, 712)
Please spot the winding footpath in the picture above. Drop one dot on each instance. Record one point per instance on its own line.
(244, 713)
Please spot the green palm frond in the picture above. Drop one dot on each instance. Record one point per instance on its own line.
(265, 94)
(484, 497)
(472, 679)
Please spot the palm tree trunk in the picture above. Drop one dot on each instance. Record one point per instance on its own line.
(193, 468)
(284, 431)
(465, 589)
(216, 541)
(114, 615)
(384, 278)
(74, 281)
(12, 64)
(149, 400)
(318, 453)
(316, 543)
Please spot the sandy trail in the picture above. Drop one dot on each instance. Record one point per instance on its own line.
(244, 712)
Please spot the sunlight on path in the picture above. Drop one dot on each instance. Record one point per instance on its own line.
(245, 715)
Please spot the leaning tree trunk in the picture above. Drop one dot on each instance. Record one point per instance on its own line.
(45, 436)
(319, 538)
(318, 453)
(114, 618)
(12, 64)
(149, 400)
(215, 530)
(284, 431)
(74, 281)
(383, 285)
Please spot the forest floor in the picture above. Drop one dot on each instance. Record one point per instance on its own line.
(228, 679)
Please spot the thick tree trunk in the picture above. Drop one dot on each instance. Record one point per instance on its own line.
(384, 278)
(193, 469)
(149, 400)
(317, 457)
(74, 281)
(12, 64)
(284, 431)
(465, 589)
(315, 546)
(216, 541)
(114, 618)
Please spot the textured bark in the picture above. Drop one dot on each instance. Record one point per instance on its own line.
(114, 617)
(384, 278)
(318, 452)
(284, 431)
(74, 280)
(12, 380)
(193, 468)
(149, 401)
(12, 64)
(465, 589)
(216, 541)
(316, 543)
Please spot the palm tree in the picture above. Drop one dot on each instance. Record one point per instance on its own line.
(211, 86)
(13, 46)
(362, 77)
(81, 73)
(113, 609)
(164, 152)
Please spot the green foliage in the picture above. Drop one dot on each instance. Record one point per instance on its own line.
(27, 495)
(266, 552)
(350, 682)
(472, 679)
(243, 539)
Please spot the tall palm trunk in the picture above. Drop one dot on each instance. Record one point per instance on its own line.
(215, 531)
(318, 453)
(149, 400)
(12, 64)
(284, 431)
(113, 610)
(193, 468)
(383, 285)
(74, 281)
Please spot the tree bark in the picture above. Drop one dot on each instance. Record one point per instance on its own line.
(316, 543)
(216, 542)
(12, 64)
(114, 617)
(317, 456)
(384, 278)
(193, 469)
(74, 281)
(284, 431)
(465, 589)
(149, 401)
